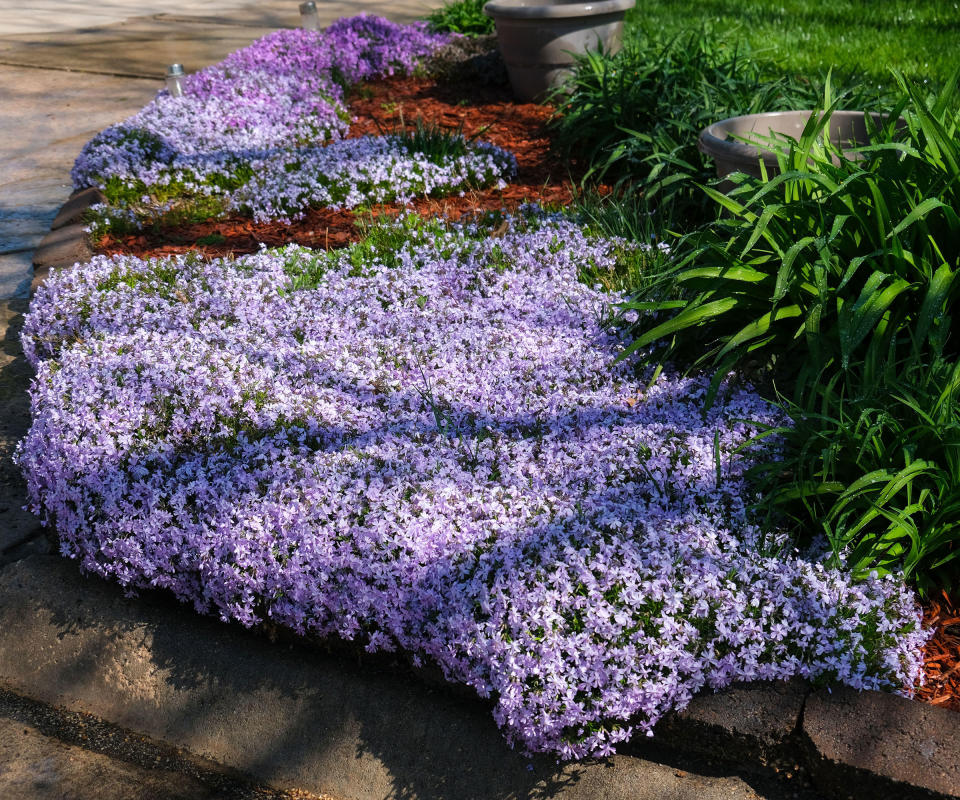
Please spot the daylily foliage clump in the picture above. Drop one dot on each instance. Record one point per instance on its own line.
(430, 446)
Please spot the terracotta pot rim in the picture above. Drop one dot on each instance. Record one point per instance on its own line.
(713, 139)
(532, 9)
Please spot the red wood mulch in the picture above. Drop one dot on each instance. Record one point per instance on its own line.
(381, 108)
(942, 653)
(520, 128)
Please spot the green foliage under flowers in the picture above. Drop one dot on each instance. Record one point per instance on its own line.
(634, 117)
(380, 243)
(133, 206)
(439, 145)
(839, 277)
(461, 16)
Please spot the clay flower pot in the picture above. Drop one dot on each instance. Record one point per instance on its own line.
(539, 38)
(723, 140)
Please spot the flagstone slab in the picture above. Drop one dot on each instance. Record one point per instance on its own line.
(285, 13)
(48, 116)
(138, 47)
(873, 745)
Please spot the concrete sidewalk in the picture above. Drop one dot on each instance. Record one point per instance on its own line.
(48, 17)
(156, 677)
(67, 70)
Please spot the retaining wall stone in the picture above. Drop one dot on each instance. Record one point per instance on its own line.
(63, 247)
(72, 211)
(874, 745)
(752, 722)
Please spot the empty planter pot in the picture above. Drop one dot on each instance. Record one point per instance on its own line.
(723, 140)
(539, 38)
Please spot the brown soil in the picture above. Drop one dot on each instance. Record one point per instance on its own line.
(381, 108)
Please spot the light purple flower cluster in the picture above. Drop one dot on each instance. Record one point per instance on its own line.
(284, 90)
(371, 169)
(434, 449)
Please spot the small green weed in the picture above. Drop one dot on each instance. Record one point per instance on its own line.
(438, 144)
(642, 259)
(212, 238)
(461, 16)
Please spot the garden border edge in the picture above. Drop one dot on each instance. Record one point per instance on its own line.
(865, 744)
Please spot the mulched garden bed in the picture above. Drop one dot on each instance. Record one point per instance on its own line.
(383, 107)
(942, 654)
(490, 113)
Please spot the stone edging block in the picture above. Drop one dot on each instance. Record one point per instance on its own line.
(63, 247)
(293, 719)
(748, 722)
(72, 211)
(865, 745)
(67, 242)
(881, 745)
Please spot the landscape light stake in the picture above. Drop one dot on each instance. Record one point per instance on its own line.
(309, 20)
(175, 75)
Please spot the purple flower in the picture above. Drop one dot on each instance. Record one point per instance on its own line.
(283, 91)
(433, 448)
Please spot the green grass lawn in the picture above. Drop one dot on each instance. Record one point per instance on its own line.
(855, 37)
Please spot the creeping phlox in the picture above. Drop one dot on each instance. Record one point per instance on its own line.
(283, 91)
(371, 169)
(434, 449)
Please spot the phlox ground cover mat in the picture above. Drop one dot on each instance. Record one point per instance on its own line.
(283, 90)
(455, 111)
(429, 445)
(262, 134)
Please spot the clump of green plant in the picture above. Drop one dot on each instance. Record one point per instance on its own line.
(169, 206)
(871, 461)
(634, 117)
(381, 240)
(623, 216)
(839, 279)
(461, 16)
(831, 259)
(432, 141)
